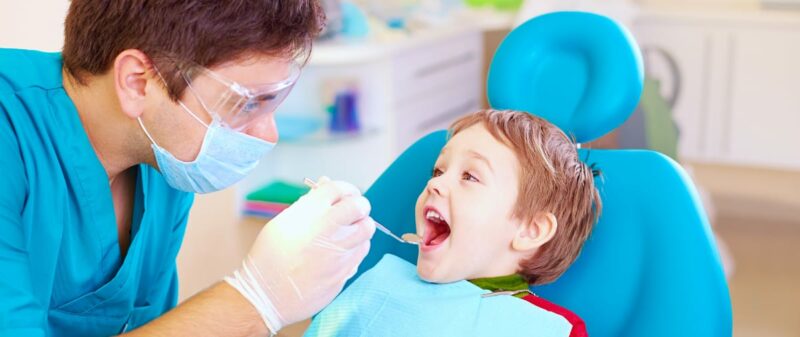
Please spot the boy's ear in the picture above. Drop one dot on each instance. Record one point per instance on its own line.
(536, 232)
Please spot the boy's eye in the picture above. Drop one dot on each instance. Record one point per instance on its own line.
(436, 172)
(469, 177)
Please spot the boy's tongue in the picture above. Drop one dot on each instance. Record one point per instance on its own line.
(436, 233)
(439, 239)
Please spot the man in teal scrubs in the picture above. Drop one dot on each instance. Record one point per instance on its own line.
(103, 145)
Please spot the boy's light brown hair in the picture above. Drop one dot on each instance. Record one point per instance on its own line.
(552, 179)
(178, 34)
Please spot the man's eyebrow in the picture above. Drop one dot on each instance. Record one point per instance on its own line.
(479, 156)
(265, 97)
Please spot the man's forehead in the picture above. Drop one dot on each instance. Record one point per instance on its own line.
(255, 71)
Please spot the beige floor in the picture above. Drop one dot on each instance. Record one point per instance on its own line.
(765, 285)
(758, 217)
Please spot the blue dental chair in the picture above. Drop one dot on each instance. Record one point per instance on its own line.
(650, 267)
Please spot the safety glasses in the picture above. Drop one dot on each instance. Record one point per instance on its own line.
(235, 105)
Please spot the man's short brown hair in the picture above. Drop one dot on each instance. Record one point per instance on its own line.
(177, 33)
(552, 179)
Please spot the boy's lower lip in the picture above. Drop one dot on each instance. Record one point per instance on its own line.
(427, 249)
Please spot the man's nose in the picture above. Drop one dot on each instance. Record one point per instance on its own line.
(264, 128)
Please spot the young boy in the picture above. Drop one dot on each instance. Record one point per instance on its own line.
(508, 204)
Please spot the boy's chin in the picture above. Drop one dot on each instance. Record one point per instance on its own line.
(432, 274)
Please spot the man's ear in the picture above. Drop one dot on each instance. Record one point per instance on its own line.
(130, 80)
(536, 232)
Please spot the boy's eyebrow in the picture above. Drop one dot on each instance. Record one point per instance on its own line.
(481, 157)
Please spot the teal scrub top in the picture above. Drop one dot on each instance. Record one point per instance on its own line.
(61, 271)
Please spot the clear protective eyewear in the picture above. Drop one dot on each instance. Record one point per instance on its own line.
(235, 105)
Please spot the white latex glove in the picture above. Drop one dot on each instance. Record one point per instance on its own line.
(302, 258)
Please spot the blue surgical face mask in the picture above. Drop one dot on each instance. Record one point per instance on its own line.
(225, 157)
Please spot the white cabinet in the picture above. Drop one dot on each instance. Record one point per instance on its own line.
(765, 97)
(690, 50)
(435, 84)
(739, 101)
(406, 89)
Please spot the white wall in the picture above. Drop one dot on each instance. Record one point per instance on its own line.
(702, 3)
(39, 24)
(32, 24)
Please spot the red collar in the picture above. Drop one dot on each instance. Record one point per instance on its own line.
(578, 326)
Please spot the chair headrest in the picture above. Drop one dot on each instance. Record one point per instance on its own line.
(580, 71)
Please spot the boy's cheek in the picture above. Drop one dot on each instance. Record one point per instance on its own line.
(418, 210)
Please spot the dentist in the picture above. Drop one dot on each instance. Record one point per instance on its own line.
(102, 147)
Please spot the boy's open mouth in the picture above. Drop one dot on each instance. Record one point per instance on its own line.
(437, 230)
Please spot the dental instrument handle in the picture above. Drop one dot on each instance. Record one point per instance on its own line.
(311, 184)
(387, 231)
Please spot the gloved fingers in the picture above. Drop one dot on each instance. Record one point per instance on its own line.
(349, 237)
(327, 244)
(332, 192)
(353, 261)
(360, 253)
(343, 238)
(346, 212)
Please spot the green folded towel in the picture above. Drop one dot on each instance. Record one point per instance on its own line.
(278, 191)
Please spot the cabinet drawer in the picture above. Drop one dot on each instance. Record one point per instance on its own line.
(416, 118)
(763, 105)
(431, 67)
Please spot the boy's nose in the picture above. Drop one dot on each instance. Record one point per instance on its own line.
(436, 186)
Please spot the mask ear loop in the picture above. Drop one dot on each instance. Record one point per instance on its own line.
(139, 119)
(185, 108)
(145, 131)
(200, 100)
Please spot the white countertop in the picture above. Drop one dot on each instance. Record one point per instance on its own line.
(746, 14)
(344, 52)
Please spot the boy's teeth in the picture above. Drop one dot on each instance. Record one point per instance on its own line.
(433, 215)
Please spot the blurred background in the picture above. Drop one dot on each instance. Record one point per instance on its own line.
(722, 96)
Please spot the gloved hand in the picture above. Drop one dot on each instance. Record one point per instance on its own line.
(302, 258)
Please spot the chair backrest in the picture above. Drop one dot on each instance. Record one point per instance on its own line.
(650, 267)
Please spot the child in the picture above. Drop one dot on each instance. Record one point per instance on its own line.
(508, 204)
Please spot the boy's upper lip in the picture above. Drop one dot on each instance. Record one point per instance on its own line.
(431, 207)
